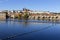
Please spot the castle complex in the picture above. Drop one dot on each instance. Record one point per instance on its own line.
(31, 14)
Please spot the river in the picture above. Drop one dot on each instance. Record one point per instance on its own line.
(29, 30)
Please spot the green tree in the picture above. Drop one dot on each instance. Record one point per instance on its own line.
(19, 16)
(26, 15)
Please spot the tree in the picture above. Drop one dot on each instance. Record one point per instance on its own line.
(19, 16)
(26, 15)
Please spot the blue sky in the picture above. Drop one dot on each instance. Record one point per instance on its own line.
(43, 5)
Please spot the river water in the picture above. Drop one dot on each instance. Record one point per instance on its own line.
(29, 30)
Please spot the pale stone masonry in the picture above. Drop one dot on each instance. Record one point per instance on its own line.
(32, 14)
(2, 16)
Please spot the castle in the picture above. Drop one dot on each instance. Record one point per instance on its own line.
(32, 14)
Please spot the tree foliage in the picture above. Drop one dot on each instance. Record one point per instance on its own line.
(26, 15)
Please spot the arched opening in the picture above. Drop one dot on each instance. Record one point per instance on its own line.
(38, 17)
(6, 15)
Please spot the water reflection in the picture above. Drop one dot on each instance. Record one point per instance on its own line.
(31, 21)
(19, 34)
(28, 21)
(23, 27)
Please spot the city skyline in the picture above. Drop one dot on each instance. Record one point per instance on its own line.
(43, 5)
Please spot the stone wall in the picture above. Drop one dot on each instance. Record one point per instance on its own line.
(2, 16)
